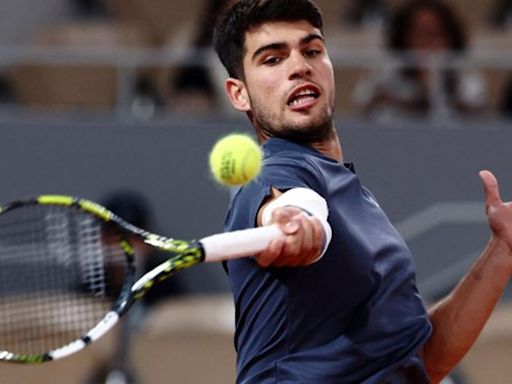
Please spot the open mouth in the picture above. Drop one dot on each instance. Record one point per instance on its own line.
(303, 96)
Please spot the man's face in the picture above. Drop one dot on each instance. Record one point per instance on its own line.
(427, 32)
(289, 81)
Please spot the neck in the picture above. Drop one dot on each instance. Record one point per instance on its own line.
(330, 146)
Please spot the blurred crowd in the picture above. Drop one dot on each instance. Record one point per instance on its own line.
(431, 66)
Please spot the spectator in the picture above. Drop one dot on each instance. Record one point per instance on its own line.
(367, 12)
(193, 86)
(7, 92)
(89, 9)
(506, 102)
(501, 15)
(418, 31)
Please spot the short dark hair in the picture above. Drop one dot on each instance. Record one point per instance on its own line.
(130, 206)
(401, 23)
(244, 15)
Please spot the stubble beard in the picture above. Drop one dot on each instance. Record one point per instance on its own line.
(318, 130)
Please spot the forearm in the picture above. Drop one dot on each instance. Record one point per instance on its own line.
(459, 318)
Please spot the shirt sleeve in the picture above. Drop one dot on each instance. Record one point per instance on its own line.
(282, 173)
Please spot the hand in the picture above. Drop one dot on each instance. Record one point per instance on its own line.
(499, 213)
(301, 243)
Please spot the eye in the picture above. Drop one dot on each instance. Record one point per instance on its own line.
(312, 52)
(272, 60)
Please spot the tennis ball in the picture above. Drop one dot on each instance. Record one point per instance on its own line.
(235, 159)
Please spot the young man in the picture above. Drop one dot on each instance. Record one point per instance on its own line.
(334, 299)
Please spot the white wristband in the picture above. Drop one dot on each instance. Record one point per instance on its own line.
(307, 200)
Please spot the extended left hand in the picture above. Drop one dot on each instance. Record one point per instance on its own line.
(499, 213)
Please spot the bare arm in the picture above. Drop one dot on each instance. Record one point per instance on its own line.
(459, 318)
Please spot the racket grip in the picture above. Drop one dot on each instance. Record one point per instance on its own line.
(236, 244)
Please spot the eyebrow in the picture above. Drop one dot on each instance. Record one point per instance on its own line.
(280, 45)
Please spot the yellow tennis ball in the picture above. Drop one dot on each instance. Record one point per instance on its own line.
(235, 159)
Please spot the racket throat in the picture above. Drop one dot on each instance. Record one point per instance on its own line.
(193, 254)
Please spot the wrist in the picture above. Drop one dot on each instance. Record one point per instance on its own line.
(496, 243)
(501, 252)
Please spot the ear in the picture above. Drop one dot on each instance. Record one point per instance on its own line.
(238, 95)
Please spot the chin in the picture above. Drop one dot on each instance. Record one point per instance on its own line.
(313, 122)
(307, 131)
(310, 126)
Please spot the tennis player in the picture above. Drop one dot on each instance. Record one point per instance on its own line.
(333, 300)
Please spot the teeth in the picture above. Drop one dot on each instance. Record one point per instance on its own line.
(298, 101)
(298, 98)
(305, 92)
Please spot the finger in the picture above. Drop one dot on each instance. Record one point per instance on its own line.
(319, 239)
(491, 188)
(287, 219)
(297, 246)
(304, 247)
(292, 251)
(308, 250)
(272, 253)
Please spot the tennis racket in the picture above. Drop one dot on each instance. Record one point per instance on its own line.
(67, 272)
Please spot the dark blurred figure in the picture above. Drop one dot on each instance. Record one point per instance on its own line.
(89, 9)
(367, 12)
(146, 98)
(501, 15)
(193, 85)
(506, 101)
(417, 31)
(134, 208)
(7, 91)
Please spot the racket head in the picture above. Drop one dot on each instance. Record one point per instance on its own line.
(66, 271)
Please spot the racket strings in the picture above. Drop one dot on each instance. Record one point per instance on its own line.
(54, 281)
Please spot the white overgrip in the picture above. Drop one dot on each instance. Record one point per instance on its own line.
(245, 242)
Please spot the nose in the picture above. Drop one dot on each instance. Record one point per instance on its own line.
(299, 66)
